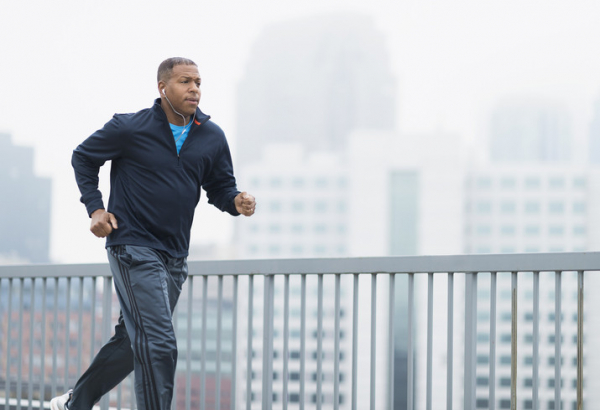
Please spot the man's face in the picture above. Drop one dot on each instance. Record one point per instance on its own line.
(183, 89)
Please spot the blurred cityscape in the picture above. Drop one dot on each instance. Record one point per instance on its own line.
(319, 147)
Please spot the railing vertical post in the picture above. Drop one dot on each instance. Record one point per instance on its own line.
(373, 337)
(249, 342)
(536, 337)
(580, 340)
(470, 338)
(55, 337)
(336, 346)
(67, 334)
(354, 341)
(302, 340)
(391, 339)
(203, 336)
(219, 336)
(8, 344)
(450, 341)
(106, 319)
(32, 320)
(319, 341)
(513, 348)
(429, 340)
(80, 326)
(43, 348)
(267, 387)
(188, 346)
(410, 369)
(557, 338)
(286, 336)
(234, 332)
(20, 346)
(492, 376)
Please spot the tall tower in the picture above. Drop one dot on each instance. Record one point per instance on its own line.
(24, 206)
(530, 131)
(594, 141)
(314, 80)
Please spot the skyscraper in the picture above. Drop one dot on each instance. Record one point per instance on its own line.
(314, 80)
(24, 205)
(594, 140)
(530, 131)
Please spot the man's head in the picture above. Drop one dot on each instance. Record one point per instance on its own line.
(179, 84)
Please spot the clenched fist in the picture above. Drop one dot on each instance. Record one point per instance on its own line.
(245, 203)
(102, 223)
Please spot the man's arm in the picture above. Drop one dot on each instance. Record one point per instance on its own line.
(105, 144)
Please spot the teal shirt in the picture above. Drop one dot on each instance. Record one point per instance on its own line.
(180, 133)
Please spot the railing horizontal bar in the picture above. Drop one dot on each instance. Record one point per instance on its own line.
(526, 262)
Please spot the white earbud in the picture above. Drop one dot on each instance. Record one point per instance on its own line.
(163, 90)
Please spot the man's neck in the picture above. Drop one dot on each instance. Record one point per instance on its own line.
(172, 116)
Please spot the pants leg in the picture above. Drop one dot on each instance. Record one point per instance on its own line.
(148, 284)
(111, 365)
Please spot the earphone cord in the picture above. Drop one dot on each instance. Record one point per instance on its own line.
(181, 115)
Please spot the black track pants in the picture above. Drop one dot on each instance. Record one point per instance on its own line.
(148, 284)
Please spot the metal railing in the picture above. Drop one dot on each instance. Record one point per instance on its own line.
(233, 356)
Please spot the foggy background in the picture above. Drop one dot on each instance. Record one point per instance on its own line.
(69, 65)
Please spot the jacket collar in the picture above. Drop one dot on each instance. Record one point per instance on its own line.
(201, 118)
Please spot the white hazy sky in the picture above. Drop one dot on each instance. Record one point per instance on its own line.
(68, 65)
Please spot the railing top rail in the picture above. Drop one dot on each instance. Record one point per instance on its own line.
(529, 262)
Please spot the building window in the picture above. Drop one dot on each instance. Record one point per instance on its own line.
(557, 183)
(298, 183)
(482, 403)
(578, 208)
(321, 183)
(484, 207)
(320, 228)
(579, 230)
(505, 360)
(484, 183)
(508, 207)
(483, 359)
(556, 230)
(579, 182)
(532, 207)
(321, 206)
(556, 207)
(532, 230)
(504, 403)
(532, 183)
(276, 183)
(484, 230)
(508, 183)
(275, 206)
(297, 206)
(507, 230)
(505, 382)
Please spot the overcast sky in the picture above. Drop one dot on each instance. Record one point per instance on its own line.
(69, 65)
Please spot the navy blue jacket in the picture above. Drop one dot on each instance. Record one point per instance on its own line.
(154, 191)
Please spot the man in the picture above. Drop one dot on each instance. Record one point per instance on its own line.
(161, 157)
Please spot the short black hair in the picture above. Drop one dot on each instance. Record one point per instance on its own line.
(165, 69)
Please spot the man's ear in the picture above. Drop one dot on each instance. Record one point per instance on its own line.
(161, 87)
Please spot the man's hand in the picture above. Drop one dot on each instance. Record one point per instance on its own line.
(103, 223)
(245, 203)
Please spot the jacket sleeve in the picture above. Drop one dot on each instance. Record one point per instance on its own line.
(220, 185)
(103, 145)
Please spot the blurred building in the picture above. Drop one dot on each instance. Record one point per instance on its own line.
(314, 80)
(594, 138)
(24, 206)
(525, 130)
